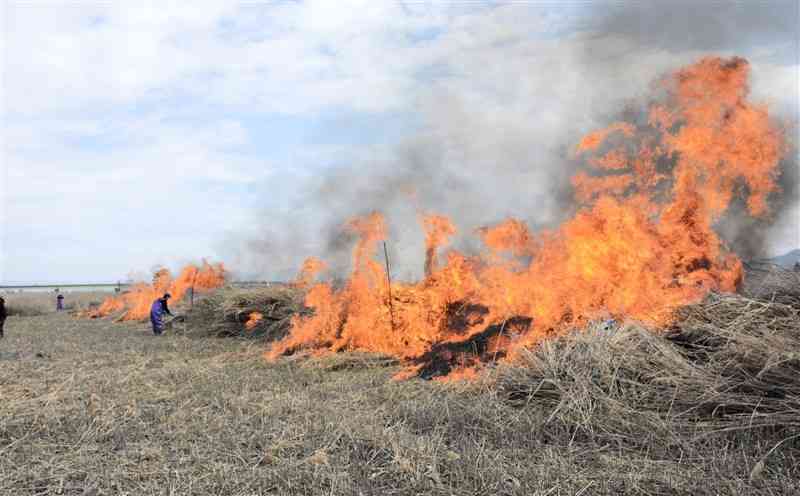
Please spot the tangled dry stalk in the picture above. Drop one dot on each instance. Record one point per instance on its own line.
(769, 282)
(226, 312)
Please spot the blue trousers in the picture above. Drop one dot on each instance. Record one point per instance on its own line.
(158, 323)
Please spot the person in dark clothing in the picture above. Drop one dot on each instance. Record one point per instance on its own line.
(59, 302)
(3, 315)
(157, 311)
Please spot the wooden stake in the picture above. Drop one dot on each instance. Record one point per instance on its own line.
(389, 278)
(191, 296)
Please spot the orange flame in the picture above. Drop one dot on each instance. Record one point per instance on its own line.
(641, 245)
(312, 266)
(438, 229)
(137, 300)
(254, 319)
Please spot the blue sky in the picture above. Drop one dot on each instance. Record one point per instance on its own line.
(138, 134)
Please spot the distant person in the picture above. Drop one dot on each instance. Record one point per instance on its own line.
(59, 302)
(3, 315)
(797, 266)
(157, 311)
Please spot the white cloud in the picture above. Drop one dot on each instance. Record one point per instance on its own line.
(126, 121)
(297, 57)
(162, 192)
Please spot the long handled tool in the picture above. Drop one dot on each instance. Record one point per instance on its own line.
(172, 324)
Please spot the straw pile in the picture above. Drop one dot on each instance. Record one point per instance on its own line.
(228, 311)
(730, 365)
(767, 281)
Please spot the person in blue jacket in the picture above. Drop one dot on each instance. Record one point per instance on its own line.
(3, 315)
(157, 311)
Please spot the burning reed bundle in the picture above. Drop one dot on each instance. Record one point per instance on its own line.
(264, 313)
(641, 244)
(135, 303)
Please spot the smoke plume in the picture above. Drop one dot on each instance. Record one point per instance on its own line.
(498, 126)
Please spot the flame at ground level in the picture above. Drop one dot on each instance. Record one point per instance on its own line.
(641, 244)
(253, 320)
(136, 302)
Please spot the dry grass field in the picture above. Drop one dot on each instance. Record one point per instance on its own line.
(33, 303)
(88, 407)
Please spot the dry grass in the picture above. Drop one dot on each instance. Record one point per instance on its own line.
(349, 361)
(710, 407)
(770, 282)
(225, 312)
(32, 303)
(705, 399)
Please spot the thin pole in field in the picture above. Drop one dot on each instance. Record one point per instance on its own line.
(389, 278)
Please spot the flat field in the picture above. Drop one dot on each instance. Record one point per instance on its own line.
(88, 407)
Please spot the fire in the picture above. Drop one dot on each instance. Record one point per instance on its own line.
(312, 266)
(137, 300)
(254, 319)
(641, 244)
(437, 231)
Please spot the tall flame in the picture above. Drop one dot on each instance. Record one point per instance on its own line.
(137, 300)
(438, 229)
(640, 245)
(312, 266)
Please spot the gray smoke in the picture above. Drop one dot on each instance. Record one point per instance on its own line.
(706, 25)
(497, 129)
